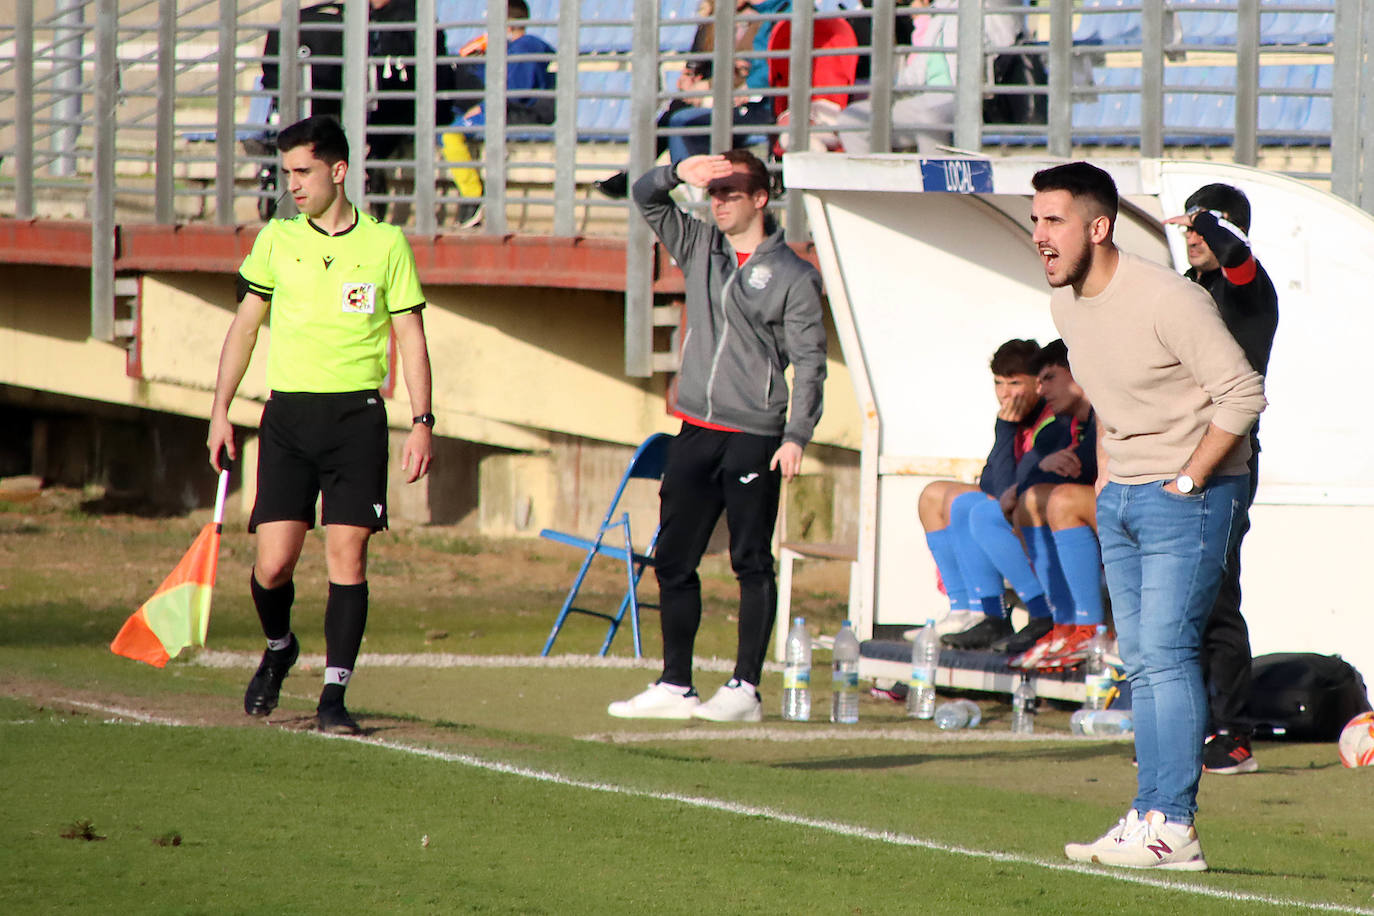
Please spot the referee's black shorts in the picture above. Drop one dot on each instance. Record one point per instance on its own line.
(335, 444)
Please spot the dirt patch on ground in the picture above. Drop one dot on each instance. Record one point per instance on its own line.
(213, 711)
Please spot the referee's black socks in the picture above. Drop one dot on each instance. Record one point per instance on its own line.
(274, 610)
(345, 616)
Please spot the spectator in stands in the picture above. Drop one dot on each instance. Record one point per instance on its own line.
(695, 77)
(1175, 401)
(1066, 563)
(753, 308)
(527, 71)
(395, 116)
(1019, 413)
(923, 96)
(750, 109)
(1216, 223)
(862, 24)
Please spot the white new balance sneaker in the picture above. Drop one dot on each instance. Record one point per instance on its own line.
(1088, 852)
(1151, 842)
(735, 702)
(660, 701)
(958, 622)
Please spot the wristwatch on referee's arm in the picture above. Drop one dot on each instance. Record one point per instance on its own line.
(425, 419)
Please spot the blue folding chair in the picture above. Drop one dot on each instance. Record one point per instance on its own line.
(647, 464)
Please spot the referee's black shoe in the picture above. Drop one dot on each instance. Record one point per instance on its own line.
(265, 688)
(334, 719)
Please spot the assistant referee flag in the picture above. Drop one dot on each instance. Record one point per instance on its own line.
(178, 613)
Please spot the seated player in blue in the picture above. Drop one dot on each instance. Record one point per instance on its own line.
(1020, 413)
(991, 549)
(1055, 515)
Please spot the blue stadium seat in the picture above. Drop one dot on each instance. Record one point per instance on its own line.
(1202, 25)
(1319, 115)
(1194, 117)
(1113, 118)
(1293, 27)
(676, 39)
(1101, 23)
(603, 106)
(1280, 117)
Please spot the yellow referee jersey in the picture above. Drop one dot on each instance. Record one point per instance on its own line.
(332, 298)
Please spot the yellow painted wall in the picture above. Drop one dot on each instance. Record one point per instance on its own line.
(528, 370)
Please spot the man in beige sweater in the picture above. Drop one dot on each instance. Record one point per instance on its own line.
(1175, 399)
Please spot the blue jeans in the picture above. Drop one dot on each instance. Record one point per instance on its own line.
(1163, 554)
(752, 114)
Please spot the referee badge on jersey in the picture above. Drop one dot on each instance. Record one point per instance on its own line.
(360, 298)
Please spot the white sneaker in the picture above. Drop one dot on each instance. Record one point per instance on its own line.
(1088, 852)
(660, 701)
(958, 622)
(1148, 842)
(735, 702)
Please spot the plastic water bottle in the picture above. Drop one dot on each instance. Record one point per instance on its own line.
(1101, 723)
(1023, 708)
(796, 673)
(1097, 674)
(925, 658)
(844, 697)
(958, 714)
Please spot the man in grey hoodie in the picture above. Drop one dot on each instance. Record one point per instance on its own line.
(753, 308)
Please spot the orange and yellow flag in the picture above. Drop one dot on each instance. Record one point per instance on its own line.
(178, 613)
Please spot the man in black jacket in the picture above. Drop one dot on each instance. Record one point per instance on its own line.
(753, 308)
(1216, 223)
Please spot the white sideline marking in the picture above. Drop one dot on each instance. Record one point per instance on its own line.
(790, 734)
(221, 659)
(839, 828)
(120, 712)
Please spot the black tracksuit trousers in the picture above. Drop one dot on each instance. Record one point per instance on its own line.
(710, 471)
(1226, 638)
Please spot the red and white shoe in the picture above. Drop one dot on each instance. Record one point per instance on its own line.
(1072, 650)
(1051, 641)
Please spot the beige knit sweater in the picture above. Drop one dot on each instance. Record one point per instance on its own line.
(1158, 364)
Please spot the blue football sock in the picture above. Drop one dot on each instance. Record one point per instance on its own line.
(994, 534)
(993, 606)
(941, 544)
(1081, 560)
(1045, 560)
(981, 578)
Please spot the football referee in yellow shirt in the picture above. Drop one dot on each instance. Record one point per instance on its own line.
(335, 282)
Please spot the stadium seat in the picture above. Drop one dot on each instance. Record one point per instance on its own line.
(1112, 118)
(603, 106)
(647, 463)
(1319, 118)
(1193, 116)
(1105, 22)
(1281, 117)
(1200, 24)
(676, 39)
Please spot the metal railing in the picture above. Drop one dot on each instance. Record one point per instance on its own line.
(121, 111)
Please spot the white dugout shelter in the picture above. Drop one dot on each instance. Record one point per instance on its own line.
(929, 266)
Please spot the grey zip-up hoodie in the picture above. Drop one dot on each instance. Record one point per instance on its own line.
(745, 324)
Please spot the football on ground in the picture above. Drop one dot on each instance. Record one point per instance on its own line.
(1357, 741)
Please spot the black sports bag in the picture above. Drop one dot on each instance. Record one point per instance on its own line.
(1304, 696)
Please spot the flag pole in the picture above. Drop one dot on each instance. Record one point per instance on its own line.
(219, 499)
